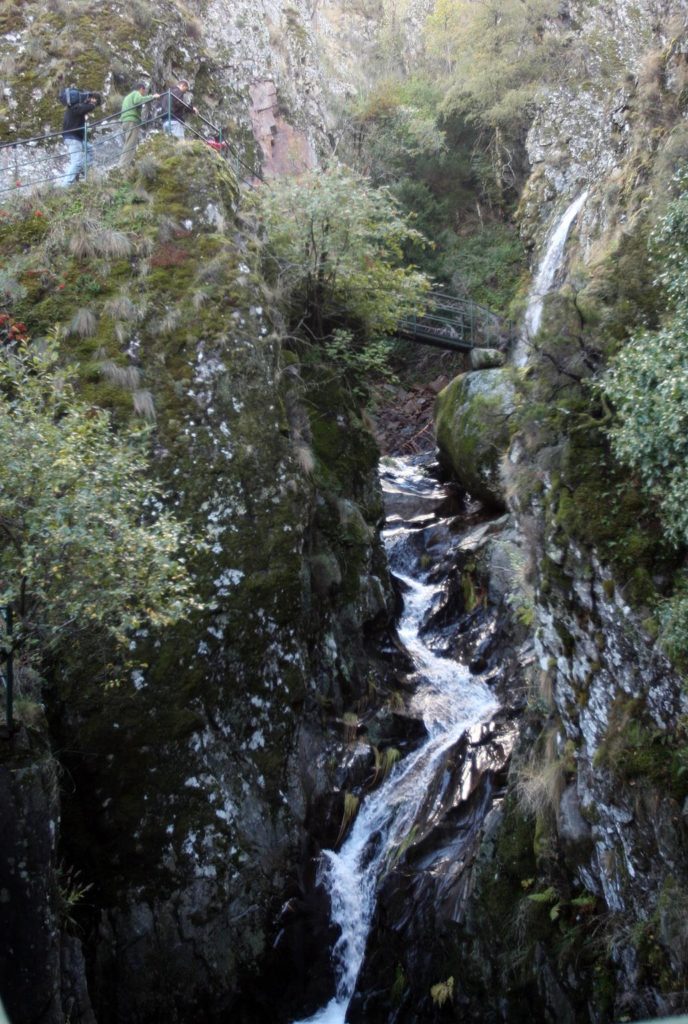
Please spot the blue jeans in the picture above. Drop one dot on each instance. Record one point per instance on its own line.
(173, 127)
(80, 159)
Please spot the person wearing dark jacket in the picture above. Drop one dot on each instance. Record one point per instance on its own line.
(176, 109)
(79, 148)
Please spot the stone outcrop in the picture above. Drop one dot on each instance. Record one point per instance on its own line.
(472, 417)
(190, 786)
(29, 893)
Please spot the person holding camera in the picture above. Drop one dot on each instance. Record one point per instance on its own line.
(79, 149)
(130, 117)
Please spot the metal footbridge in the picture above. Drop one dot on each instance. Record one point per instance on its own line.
(457, 324)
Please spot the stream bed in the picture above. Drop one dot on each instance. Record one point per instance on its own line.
(455, 704)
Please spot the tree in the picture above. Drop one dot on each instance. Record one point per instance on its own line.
(336, 246)
(496, 54)
(396, 128)
(86, 545)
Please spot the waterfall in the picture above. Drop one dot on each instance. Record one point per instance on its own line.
(450, 701)
(549, 265)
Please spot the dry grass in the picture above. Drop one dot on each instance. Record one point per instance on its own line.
(542, 781)
(120, 307)
(350, 723)
(147, 168)
(84, 324)
(214, 271)
(168, 228)
(351, 803)
(652, 68)
(305, 459)
(199, 298)
(127, 377)
(142, 13)
(167, 323)
(144, 405)
(90, 239)
(193, 28)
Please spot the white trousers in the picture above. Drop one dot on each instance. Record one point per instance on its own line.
(175, 128)
(80, 159)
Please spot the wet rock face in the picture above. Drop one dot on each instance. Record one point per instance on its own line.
(614, 692)
(31, 959)
(472, 428)
(423, 898)
(424, 893)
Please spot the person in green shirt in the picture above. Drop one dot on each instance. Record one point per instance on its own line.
(132, 106)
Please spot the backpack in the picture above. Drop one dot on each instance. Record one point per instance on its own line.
(71, 96)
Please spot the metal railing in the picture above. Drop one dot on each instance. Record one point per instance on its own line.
(457, 324)
(104, 134)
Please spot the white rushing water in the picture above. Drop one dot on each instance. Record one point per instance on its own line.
(449, 700)
(544, 279)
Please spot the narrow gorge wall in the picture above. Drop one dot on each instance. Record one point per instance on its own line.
(192, 770)
(578, 890)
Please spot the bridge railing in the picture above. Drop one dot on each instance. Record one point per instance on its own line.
(456, 323)
(28, 163)
(487, 328)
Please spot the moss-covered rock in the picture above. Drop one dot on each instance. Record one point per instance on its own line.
(187, 798)
(472, 424)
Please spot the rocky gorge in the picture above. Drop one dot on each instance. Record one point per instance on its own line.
(165, 813)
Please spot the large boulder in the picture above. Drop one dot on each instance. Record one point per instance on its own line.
(472, 424)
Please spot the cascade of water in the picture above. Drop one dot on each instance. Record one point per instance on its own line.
(450, 701)
(549, 265)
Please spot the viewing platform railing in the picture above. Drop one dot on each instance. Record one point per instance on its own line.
(29, 163)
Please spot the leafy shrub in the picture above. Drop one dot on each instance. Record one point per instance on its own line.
(648, 385)
(86, 543)
(335, 246)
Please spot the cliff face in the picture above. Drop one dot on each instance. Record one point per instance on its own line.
(194, 769)
(583, 866)
(572, 899)
(272, 75)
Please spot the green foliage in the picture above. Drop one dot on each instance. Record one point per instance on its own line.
(70, 893)
(487, 266)
(495, 54)
(605, 508)
(359, 363)
(86, 543)
(636, 750)
(399, 985)
(335, 244)
(398, 123)
(674, 625)
(648, 385)
(434, 165)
